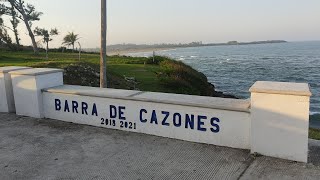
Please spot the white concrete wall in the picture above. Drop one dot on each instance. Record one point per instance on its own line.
(234, 127)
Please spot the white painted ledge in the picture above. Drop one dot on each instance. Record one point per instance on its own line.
(198, 101)
(285, 88)
(36, 71)
(174, 99)
(11, 68)
(92, 91)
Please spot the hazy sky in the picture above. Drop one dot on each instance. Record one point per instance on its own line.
(174, 21)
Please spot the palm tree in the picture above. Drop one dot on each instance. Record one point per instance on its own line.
(46, 36)
(70, 39)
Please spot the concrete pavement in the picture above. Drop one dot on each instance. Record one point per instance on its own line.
(49, 149)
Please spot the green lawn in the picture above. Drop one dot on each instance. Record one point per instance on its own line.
(144, 74)
(117, 66)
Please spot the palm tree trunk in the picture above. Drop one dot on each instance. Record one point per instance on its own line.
(19, 7)
(16, 36)
(47, 51)
(34, 43)
(26, 22)
(14, 25)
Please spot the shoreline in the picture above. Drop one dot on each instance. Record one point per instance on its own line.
(113, 50)
(129, 51)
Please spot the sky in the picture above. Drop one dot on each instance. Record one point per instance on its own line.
(180, 21)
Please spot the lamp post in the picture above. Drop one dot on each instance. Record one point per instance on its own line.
(103, 49)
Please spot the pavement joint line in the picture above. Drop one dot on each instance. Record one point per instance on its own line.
(249, 161)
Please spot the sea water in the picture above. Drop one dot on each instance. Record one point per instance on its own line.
(234, 69)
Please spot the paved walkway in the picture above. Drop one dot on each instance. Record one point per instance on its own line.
(48, 149)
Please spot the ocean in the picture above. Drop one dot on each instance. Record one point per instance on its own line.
(234, 69)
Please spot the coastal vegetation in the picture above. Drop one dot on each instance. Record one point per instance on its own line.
(314, 134)
(160, 74)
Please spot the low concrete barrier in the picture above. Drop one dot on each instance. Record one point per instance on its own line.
(189, 118)
(273, 123)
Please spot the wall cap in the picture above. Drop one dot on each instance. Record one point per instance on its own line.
(175, 99)
(91, 91)
(12, 68)
(36, 71)
(285, 88)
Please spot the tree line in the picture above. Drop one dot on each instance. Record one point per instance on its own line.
(19, 11)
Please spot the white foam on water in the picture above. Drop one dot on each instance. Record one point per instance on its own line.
(314, 113)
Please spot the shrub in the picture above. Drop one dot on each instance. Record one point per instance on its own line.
(182, 78)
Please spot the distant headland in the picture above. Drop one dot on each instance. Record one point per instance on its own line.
(132, 48)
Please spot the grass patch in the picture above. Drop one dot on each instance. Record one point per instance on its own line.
(314, 134)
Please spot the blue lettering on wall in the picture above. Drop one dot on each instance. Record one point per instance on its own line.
(84, 108)
(154, 118)
(141, 113)
(189, 121)
(66, 106)
(75, 106)
(215, 126)
(177, 121)
(94, 110)
(113, 111)
(201, 123)
(121, 113)
(164, 121)
(57, 104)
